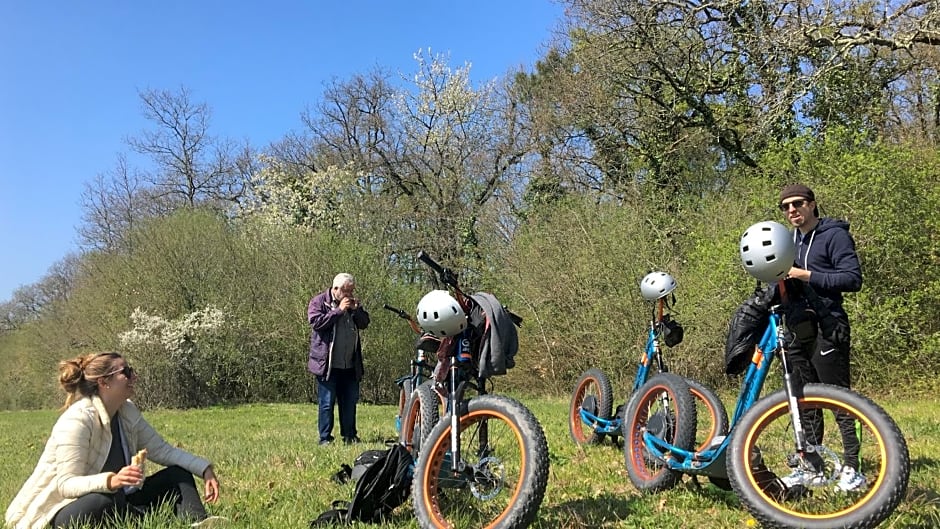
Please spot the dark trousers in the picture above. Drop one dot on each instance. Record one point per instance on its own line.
(340, 388)
(172, 485)
(816, 359)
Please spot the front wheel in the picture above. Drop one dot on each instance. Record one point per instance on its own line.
(502, 473)
(592, 394)
(664, 408)
(813, 490)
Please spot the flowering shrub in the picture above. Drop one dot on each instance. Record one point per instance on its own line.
(177, 337)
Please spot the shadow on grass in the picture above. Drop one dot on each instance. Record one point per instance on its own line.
(919, 510)
(923, 498)
(924, 463)
(586, 512)
(703, 487)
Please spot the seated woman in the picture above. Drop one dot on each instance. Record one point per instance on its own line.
(85, 474)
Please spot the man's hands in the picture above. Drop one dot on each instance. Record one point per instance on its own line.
(347, 304)
(799, 273)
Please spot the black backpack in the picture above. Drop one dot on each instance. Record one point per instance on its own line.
(383, 484)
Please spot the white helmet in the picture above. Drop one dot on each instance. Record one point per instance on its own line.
(767, 251)
(440, 314)
(657, 285)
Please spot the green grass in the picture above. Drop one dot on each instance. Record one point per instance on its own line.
(274, 475)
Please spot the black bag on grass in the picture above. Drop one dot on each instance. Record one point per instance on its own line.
(383, 485)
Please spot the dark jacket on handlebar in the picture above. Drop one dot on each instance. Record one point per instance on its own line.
(500, 340)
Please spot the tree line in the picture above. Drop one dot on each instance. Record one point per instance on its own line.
(648, 137)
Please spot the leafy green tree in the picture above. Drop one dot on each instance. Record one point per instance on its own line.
(650, 92)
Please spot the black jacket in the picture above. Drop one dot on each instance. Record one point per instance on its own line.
(829, 253)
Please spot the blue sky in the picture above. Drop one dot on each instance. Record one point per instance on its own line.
(70, 73)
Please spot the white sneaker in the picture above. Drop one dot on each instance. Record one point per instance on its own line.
(851, 480)
(806, 478)
(212, 521)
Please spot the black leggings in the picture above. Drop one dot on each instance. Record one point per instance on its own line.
(172, 485)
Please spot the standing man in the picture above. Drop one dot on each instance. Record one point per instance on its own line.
(335, 317)
(827, 261)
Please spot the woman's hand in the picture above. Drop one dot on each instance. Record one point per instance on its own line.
(129, 476)
(212, 485)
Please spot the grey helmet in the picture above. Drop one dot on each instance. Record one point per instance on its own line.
(440, 314)
(767, 251)
(657, 285)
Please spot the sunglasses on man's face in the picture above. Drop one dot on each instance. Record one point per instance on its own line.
(127, 371)
(785, 206)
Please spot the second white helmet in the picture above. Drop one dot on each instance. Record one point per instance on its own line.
(657, 285)
(767, 251)
(440, 314)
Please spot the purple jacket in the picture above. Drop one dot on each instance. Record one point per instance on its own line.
(322, 316)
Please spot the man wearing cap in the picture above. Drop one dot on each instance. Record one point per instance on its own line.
(335, 317)
(827, 261)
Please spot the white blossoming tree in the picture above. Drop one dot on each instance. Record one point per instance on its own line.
(429, 163)
(169, 352)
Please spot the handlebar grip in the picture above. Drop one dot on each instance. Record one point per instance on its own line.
(426, 259)
(446, 275)
(401, 314)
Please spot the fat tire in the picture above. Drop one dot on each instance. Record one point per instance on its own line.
(873, 506)
(527, 494)
(404, 396)
(421, 415)
(717, 419)
(605, 404)
(682, 424)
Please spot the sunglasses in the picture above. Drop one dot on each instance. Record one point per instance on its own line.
(127, 371)
(796, 204)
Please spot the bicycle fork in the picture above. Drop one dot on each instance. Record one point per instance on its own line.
(455, 396)
(799, 436)
(456, 392)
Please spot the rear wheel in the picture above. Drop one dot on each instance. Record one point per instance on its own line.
(404, 393)
(592, 394)
(503, 468)
(784, 489)
(421, 415)
(710, 413)
(664, 408)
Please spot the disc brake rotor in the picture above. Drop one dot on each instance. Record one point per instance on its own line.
(488, 478)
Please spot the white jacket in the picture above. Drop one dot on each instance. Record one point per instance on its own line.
(70, 465)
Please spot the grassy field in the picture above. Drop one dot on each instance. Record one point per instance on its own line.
(274, 475)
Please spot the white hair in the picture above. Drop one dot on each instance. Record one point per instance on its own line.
(342, 280)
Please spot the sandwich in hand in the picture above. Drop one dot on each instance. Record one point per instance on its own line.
(139, 458)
